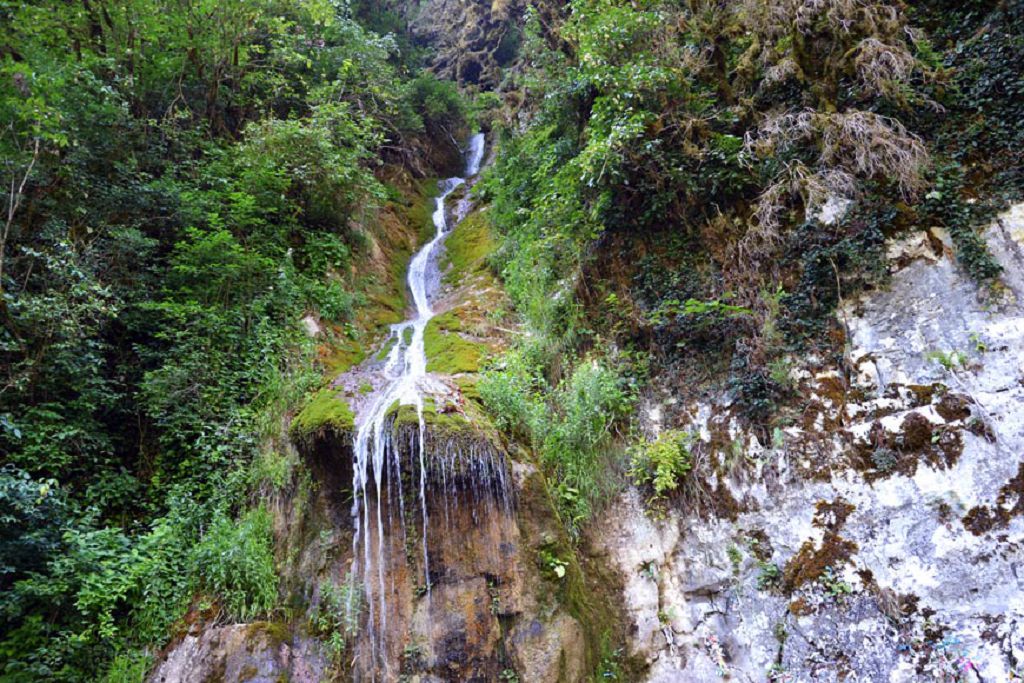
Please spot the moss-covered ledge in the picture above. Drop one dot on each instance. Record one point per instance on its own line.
(327, 412)
(461, 444)
(448, 352)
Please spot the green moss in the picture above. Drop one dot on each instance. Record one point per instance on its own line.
(447, 352)
(419, 212)
(468, 386)
(405, 416)
(386, 349)
(276, 631)
(468, 247)
(343, 356)
(325, 410)
(387, 299)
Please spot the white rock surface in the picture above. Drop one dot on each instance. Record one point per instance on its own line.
(922, 597)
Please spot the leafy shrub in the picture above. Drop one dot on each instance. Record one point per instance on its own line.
(32, 513)
(177, 215)
(236, 564)
(436, 102)
(130, 667)
(661, 463)
(337, 615)
(571, 427)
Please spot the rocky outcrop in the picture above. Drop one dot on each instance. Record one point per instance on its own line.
(878, 538)
(257, 653)
(473, 39)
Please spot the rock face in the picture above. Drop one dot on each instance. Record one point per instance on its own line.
(875, 538)
(259, 653)
(454, 591)
(473, 39)
(880, 539)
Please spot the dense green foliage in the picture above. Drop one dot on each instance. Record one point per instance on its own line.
(183, 181)
(571, 428)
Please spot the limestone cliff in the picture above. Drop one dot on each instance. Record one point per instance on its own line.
(878, 538)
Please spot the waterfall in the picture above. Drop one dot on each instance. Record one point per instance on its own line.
(375, 454)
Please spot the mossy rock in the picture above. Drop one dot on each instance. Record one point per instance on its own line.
(447, 351)
(340, 357)
(419, 211)
(385, 349)
(467, 248)
(468, 386)
(277, 632)
(326, 410)
(436, 422)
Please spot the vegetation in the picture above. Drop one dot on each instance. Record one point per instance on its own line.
(662, 463)
(183, 182)
(337, 615)
(467, 246)
(325, 410)
(571, 428)
(684, 192)
(702, 183)
(448, 352)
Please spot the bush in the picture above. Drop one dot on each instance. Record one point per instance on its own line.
(438, 105)
(337, 615)
(571, 427)
(661, 463)
(32, 512)
(236, 564)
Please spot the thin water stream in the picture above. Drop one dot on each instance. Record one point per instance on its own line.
(405, 371)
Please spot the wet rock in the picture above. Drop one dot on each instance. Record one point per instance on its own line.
(549, 651)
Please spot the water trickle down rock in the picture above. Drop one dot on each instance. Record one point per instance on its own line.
(406, 472)
(489, 611)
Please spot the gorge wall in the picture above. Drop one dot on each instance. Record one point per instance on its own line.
(874, 536)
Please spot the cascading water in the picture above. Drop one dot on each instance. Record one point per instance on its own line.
(405, 371)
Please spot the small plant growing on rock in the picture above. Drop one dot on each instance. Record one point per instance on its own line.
(770, 576)
(884, 459)
(661, 463)
(552, 564)
(780, 372)
(735, 558)
(412, 656)
(717, 654)
(950, 361)
(492, 590)
(833, 584)
(337, 615)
